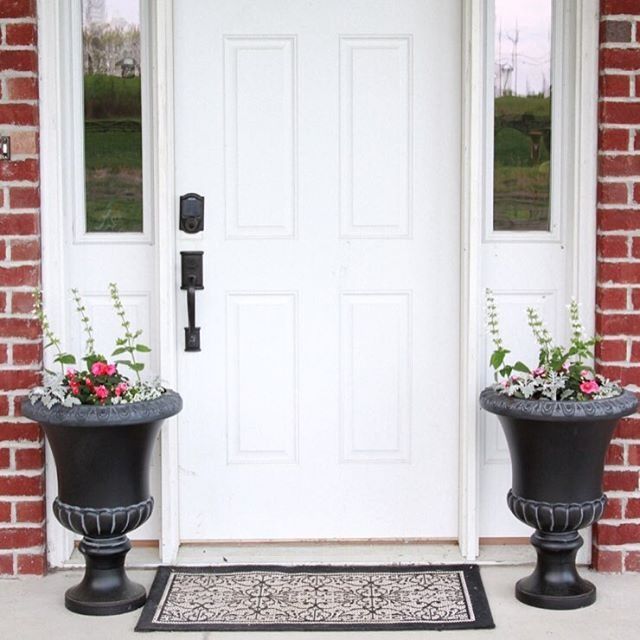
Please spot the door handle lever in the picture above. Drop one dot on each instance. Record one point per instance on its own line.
(191, 333)
(191, 281)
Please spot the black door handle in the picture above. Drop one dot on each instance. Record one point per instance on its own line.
(191, 281)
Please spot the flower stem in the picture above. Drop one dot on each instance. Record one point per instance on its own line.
(52, 339)
(86, 323)
(129, 337)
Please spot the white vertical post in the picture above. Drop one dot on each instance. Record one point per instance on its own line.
(54, 202)
(584, 173)
(472, 196)
(165, 312)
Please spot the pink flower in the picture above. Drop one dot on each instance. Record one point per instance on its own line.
(586, 374)
(98, 368)
(589, 387)
(71, 372)
(538, 371)
(121, 388)
(565, 366)
(102, 392)
(103, 369)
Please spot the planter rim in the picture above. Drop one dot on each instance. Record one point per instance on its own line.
(112, 415)
(559, 410)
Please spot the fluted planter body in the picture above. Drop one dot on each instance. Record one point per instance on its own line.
(102, 456)
(557, 452)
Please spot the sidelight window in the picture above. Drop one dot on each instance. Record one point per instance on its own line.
(522, 115)
(113, 93)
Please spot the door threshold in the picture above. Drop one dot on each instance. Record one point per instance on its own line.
(194, 555)
(349, 552)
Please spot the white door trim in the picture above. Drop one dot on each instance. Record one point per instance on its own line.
(56, 190)
(471, 199)
(166, 263)
(54, 201)
(585, 171)
(585, 158)
(59, 189)
(577, 177)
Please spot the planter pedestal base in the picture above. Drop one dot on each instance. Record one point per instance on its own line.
(555, 583)
(105, 589)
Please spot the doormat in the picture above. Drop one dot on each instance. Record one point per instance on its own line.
(316, 598)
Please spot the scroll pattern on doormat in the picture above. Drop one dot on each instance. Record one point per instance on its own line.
(329, 598)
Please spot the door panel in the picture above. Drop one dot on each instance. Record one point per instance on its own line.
(325, 137)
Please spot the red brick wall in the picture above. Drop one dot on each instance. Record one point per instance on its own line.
(617, 537)
(22, 512)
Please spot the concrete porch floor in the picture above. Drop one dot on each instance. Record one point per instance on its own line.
(33, 609)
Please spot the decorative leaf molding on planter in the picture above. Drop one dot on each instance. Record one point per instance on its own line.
(102, 522)
(561, 411)
(555, 517)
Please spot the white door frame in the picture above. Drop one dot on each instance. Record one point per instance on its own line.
(54, 79)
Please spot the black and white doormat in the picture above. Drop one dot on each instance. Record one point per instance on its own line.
(316, 598)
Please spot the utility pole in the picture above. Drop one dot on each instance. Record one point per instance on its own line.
(500, 60)
(514, 58)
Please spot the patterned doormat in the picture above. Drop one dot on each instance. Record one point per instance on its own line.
(316, 598)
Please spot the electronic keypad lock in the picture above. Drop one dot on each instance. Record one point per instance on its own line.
(191, 213)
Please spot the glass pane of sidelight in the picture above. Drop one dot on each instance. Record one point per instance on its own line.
(522, 115)
(112, 115)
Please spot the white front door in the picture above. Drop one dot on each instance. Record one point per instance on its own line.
(325, 138)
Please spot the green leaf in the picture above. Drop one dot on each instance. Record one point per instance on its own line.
(521, 366)
(137, 366)
(142, 348)
(128, 363)
(505, 372)
(65, 358)
(119, 350)
(497, 358)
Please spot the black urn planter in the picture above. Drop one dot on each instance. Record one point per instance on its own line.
(557, 454)
(102, 456)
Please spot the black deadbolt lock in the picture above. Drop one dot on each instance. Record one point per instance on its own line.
(191, 213)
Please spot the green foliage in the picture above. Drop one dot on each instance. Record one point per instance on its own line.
(538, 107)
(561, 373)
(113, 184)
(521, 197)
(108, 97)
(512, 147)
(113, 145)
(113, 153)
(61, 357)
(521, 162)
(128, 343)
(86, 323)
(100, 382)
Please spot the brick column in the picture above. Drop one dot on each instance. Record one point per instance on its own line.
(617, 537)
(22, 512)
